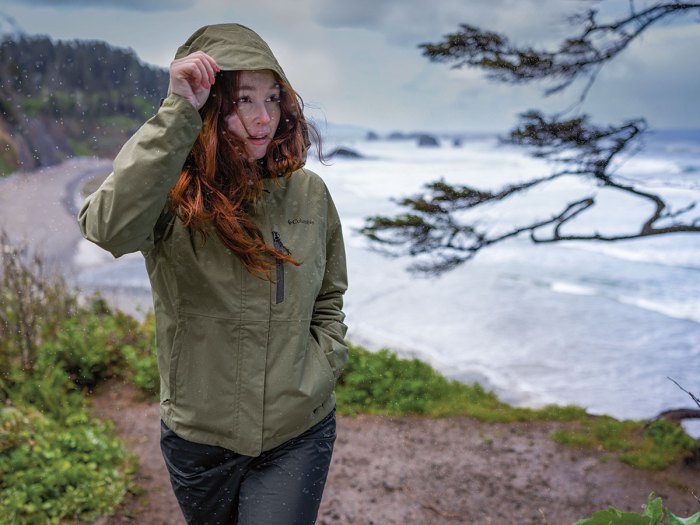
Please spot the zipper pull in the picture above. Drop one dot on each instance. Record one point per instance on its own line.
(279, 267)
(277, 241)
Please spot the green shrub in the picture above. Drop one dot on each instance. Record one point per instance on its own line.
(34, 106)
(52, 393)
(142, 359)
(90, 345)
(382, 383)
(55, 461)
(654, 447)
(32, 305)
(653, 515)
(663, 444)
(49, 470)
(87, 346)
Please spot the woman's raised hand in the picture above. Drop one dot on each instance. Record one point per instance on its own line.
(192, 76)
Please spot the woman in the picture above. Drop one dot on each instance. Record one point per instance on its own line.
(245, 255)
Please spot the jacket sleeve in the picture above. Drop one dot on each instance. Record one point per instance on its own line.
(327, 325)
(121, 215)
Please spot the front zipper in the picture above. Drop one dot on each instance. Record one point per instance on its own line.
(279, 267)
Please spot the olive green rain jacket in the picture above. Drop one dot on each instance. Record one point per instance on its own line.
(245, 363)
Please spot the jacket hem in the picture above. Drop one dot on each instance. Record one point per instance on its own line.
(210, 438)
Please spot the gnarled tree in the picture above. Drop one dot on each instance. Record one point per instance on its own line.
(434, 223)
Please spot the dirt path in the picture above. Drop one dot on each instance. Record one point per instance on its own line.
(409, 470)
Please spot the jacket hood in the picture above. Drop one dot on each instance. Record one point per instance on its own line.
(234, 47)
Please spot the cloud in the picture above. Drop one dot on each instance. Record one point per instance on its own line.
(126, 5)
(408, 22)
(357, 62)
(656, 78)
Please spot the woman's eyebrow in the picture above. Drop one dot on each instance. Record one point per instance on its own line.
(251, 88)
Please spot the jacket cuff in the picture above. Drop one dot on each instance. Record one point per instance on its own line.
(181, 104)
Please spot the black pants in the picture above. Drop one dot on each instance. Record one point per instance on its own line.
(214, 485)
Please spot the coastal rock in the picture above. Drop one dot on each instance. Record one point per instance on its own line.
(425, 140)
(397, 135)
(345, 153)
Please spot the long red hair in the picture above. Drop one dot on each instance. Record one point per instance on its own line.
(218, 185)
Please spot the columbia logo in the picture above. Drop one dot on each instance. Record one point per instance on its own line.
(300, 221)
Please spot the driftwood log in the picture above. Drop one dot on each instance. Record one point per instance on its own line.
(678, 414)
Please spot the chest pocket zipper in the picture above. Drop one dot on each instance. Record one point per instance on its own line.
(279, 267)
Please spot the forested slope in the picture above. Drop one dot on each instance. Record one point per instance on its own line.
(65, 98)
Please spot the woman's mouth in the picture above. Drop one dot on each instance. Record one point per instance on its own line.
(258, 140)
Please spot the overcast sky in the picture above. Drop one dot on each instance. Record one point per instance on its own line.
(357, 61)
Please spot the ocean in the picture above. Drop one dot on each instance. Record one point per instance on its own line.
(600, 325)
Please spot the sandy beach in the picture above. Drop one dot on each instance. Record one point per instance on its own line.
(405, 470)
(39, 208)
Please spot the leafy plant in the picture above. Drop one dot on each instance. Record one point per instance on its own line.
(383, 383)
(654, 447)
(653, 515)
(32, 304)
(51, 470)
(141, 359)
(55, 460)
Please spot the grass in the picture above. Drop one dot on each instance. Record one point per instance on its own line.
(652, 446)
(382, 383)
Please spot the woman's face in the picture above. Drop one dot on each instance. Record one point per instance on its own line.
(257, 111)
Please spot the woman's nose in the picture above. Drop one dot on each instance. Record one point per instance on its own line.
(261, 114)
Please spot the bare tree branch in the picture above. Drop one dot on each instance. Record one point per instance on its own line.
(692, 396)
(431, 227)
(580, 55)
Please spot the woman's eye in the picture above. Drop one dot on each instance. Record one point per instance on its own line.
(243, 100)
(273, 98)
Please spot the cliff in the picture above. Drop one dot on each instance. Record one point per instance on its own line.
(60, 99)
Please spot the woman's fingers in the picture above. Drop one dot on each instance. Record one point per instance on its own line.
(212, 68)
(203, 79)
(207, 66)
(192, 76)
(198, 66)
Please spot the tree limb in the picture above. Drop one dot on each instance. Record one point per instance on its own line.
(431, 227)
(579, 55)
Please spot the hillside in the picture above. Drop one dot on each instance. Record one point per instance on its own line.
(60, 99)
